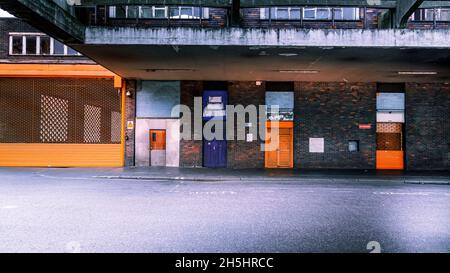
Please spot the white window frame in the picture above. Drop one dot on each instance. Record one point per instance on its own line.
(165, 8)
(205, 12)
(203, 15)
(424, 13)
(356, 13)
(304, 10)
(37, 36)
(112, 12)
(309, 9)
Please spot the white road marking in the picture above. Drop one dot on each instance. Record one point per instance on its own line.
(402, 193)
(9, 207)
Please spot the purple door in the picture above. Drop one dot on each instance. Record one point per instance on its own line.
(214, 151)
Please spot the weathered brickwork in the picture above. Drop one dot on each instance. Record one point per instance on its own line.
(130, 115)
(427, 126)
(333, 111)
(319, 112)
(243, 154)
(190, 150)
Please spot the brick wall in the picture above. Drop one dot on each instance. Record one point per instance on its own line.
(333, 111)
(243, 154)
(130, 115)
(427, 126)
(190, 150)
(329, 110)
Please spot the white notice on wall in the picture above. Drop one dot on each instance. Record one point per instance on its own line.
(316, 145)
(249, 137)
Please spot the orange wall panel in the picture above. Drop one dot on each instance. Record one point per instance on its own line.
(56, 70)
(390, 160)
(60, 155)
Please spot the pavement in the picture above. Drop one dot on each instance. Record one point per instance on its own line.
(79, 210)
(297, 175)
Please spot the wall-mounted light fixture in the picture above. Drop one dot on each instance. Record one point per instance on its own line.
(417, 72)
(128, 94)
(258, 83)
(300, 71)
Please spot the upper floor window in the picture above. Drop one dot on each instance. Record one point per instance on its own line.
(158, 12)
(37, 44)
(440, 14)
(298, 13)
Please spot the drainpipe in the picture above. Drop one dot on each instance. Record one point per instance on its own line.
(332, 18)
(434, 18)
(235, 13)
(365, 17)
(301, 17)
(270, 16)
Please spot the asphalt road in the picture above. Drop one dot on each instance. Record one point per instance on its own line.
(56, 213)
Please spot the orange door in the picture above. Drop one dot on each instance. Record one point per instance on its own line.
(390, 154)
(282, 156)
(157, 140)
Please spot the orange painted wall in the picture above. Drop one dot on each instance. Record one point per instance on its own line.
(390, 160)
(60, 155)
(55, 70)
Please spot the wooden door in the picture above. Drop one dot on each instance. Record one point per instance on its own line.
(282, 156)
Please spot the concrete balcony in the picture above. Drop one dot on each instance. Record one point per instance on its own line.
(268, 37)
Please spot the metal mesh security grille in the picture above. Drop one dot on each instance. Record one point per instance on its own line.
(59, 110)
(116, 126)
(389, 127)
(389, 136)
(54, 119)
(92, 124)
(389, 141)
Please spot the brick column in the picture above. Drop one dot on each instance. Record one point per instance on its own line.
(130, 115)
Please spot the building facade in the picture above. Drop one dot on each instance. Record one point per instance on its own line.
(356, 87)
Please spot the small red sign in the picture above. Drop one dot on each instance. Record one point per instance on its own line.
(365, 126)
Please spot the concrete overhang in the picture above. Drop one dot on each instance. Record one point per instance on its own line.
(268, 37)
(268, 54)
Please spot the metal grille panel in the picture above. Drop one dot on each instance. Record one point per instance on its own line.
(52, 110)
(116, 127)
(54, 119)
(389, 141)
(389, 127)
(92, 124)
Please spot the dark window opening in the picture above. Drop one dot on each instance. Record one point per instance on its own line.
(17, 44)
(279, 86)
(31, 45)
(391, 87)
(215, 85)
(45, 45)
